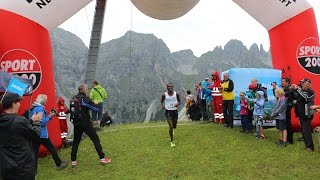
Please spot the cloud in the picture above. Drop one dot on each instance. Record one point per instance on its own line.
(211, 23)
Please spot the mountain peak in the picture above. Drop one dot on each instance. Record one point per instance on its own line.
(254, 48)
(136, 34)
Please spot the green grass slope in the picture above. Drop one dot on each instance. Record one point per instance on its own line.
(203, 151)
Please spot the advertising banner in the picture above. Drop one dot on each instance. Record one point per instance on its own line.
(270, 13)
(242, 77)
(5, 80)
(48, 13)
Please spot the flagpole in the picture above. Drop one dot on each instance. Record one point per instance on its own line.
(5, 91)
(3, 95)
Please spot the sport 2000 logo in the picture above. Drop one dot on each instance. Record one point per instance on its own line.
(308, 55)
(22, 63)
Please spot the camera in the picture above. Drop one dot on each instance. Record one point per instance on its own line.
(54, 111)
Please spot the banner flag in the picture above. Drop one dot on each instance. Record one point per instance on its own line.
(16, 86)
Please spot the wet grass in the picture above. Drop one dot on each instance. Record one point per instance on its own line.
(203, 151)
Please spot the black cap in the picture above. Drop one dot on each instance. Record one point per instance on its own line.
(305, 80)
(9, 99)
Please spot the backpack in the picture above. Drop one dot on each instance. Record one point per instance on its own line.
(36, 125)
(75, 110)
(106, 120)
(26, 113)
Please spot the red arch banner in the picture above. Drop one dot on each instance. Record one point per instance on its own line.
(295, 50)
(25, 50)
(25, 47)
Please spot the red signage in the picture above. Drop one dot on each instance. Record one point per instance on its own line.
(308, 55)
(22, 63)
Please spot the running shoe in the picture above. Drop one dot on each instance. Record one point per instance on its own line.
(105, 161)
(74, 164)
(172, 144)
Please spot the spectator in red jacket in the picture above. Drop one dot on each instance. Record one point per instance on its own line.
(217, 98)
(62, 115)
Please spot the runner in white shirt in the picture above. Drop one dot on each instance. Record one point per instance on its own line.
(170, 101)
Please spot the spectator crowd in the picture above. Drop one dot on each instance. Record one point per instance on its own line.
(213, 101)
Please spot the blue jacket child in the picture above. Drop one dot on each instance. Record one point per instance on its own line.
(258, 104)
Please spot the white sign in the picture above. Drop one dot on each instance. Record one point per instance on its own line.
(270, 13)
(48, 13)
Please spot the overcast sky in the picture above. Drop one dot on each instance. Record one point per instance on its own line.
(211, 23)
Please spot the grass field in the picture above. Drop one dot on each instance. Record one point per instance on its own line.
(203, 151)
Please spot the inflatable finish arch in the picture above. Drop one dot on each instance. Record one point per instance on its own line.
(25, 43)
(25, 47)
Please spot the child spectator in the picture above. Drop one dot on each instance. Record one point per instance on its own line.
(279, 114)
(258, 113)
(244, 111)
(203, 101)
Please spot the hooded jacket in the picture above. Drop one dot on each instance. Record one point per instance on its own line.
(258, 104)
(60, 105)
(207, 91)
(16, 136)
(62, 109)
(44, 121)
(217, 81)
(216, 84)
(98, 93)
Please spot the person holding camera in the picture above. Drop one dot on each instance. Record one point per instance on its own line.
(305, 99)
(274, 87)
(288, 93)
(37, 107)
(315, 108)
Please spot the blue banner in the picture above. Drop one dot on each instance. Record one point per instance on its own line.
(241, 78)
(5, 79)
(16, 86)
